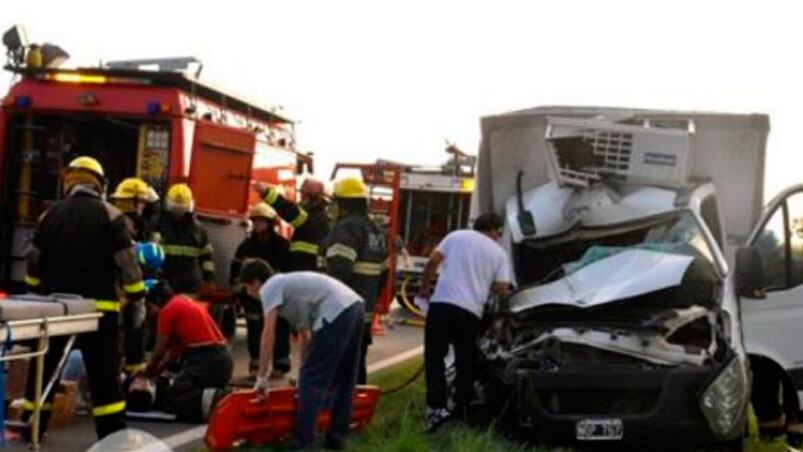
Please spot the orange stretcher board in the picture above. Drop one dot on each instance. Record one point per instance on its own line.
(246, 416)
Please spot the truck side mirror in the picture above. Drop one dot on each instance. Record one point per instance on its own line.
(749, 273)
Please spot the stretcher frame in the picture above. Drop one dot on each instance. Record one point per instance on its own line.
(41, 330)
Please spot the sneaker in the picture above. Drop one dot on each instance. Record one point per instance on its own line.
(436, 417)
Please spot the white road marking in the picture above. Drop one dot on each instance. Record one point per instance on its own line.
(395, 359)
(197, 433)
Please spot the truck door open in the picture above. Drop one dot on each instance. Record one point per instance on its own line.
(772, 325)
(220, 172)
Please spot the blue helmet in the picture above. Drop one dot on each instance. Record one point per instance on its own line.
(150, 254)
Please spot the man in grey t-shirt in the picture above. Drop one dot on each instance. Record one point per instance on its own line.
(328, 316)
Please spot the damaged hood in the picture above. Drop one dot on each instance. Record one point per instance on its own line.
(621, 276)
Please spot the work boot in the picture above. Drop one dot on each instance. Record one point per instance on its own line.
(436, 417)
(334, 443)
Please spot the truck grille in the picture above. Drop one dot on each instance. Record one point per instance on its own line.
(604, 401)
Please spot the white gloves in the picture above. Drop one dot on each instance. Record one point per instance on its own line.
(261, 384)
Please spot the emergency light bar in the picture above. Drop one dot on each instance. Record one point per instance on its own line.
(73, 77)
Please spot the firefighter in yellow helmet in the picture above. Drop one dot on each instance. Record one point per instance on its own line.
(188, 251)
(83, 246)
(266, 243)
(354, 252)
(133, 196)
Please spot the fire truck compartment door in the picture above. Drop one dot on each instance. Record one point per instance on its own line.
(220, 172)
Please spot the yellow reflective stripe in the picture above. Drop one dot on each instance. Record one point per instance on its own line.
(208, 266)
(107, 305)
(112, 408)
(367, 268)
(300, 219)
(340, 250)
(303, 247)
(132, 368)
(207, 249)
(272, 196)
(136, 287)
(321, 262)
(28, 405)
(181, 250)
(32, 280)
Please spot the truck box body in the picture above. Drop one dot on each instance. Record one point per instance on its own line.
(729, 151)
(625, 322)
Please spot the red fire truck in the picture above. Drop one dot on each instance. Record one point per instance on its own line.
(146, 118)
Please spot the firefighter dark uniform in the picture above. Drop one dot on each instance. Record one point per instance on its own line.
(355, 252)
(132, 196)
(310, 226)
(83, 246)
(268, 245)
(188, 252)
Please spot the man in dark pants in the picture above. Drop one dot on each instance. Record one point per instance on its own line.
(83, 246)
(187, 333)
(264, 243)
(329, 319)
(474, 265)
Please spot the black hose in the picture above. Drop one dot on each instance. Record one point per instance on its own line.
(406, 383)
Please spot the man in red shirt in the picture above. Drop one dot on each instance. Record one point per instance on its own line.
(187, 332)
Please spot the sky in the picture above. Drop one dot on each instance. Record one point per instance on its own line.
(393, 80)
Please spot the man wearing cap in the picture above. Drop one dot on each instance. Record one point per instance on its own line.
(264, 243)
(473, 266)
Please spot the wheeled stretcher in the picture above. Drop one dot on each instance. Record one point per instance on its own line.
(250, 417)
(34, 319)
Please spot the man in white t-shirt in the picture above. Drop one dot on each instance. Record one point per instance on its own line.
(474, 266)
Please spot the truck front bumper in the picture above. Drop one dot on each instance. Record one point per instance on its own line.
(649, 407)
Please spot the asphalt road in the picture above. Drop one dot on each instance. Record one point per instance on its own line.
(400, 342)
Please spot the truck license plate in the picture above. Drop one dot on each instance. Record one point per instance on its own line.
(600, 430)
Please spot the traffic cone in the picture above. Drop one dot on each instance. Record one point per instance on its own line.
(376, 326)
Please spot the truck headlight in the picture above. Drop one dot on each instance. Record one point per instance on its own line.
(723, 401)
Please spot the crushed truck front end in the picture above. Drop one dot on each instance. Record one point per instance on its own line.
(623, 332)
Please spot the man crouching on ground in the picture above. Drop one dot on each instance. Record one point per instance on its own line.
(329, 318)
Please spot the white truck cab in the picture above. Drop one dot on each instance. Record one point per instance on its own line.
(626, 325)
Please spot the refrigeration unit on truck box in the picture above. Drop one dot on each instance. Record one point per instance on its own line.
(625, 325)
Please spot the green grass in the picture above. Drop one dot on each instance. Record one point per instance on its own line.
(398, 425)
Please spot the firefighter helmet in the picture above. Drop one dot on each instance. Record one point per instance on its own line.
(312, 187)
(350, 188)
(135, 188)
(179, 198)
(262, 210)
(84, 171)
